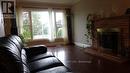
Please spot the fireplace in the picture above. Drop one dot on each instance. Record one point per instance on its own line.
(108, 39)
(113, 35)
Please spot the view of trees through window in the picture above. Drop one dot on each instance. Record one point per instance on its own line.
(59, 24)
(26, 33)
(42, 24)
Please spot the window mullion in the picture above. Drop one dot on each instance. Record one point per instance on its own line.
(30, 19)
(55, 24)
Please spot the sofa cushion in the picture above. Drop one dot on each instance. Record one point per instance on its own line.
(10, 56)
(25, 69)
(40, 56)
(35, 50)
(45, 63)
(9, 64)
(58, 69)
(9, 47)
(17, 41)
(24, 62)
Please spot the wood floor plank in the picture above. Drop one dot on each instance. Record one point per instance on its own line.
(80, 62)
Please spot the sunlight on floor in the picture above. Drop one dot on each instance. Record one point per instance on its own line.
(61, 55)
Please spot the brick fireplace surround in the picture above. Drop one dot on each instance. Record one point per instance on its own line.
(122, 23)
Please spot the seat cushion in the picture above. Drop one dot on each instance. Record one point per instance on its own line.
(40, 56)
(58, 69)
(35, 50)
(43, 64)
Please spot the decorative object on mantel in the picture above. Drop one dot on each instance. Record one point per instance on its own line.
(89, 26)
(113, 12)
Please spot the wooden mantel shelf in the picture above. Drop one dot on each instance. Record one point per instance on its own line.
(114, 17)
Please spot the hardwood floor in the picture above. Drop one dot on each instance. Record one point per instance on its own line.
(80, 62)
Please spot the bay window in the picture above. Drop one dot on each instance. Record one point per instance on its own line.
(43, 24)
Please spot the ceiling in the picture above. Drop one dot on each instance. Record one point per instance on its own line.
(70, 2)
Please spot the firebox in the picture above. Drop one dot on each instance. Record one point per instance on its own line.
(108, 39)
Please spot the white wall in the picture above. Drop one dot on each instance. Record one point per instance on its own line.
(104, 7)
(2, 33)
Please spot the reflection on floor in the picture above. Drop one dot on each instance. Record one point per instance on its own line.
(106, 54)
(80, 62)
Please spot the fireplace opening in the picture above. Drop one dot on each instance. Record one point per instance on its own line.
(109, 39)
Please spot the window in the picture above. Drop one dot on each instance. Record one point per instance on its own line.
(26, 32)
(40, 24)
(59, 24)
(43, 24)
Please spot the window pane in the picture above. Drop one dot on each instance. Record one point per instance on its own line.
(40, 24)
(59, 24)
(26, 26)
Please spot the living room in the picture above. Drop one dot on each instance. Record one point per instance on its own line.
(87, 36)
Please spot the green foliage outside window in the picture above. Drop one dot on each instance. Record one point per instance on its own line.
(38, 27)
(36, 24)
(26, 27)
(60, 32)
(26, 32)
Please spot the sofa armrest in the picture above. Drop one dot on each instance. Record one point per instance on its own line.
(35, 50)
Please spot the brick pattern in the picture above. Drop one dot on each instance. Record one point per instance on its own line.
(120, 22)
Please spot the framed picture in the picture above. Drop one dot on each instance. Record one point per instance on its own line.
(7, 7)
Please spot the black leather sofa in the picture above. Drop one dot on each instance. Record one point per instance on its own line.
(15, 58)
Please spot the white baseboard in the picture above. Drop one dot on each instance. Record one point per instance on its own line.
(81, 44)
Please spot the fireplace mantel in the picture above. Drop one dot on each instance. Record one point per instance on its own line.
(119, 22)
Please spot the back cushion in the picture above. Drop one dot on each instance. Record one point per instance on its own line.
(24, 61)
(10, 56)
(17, 41)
